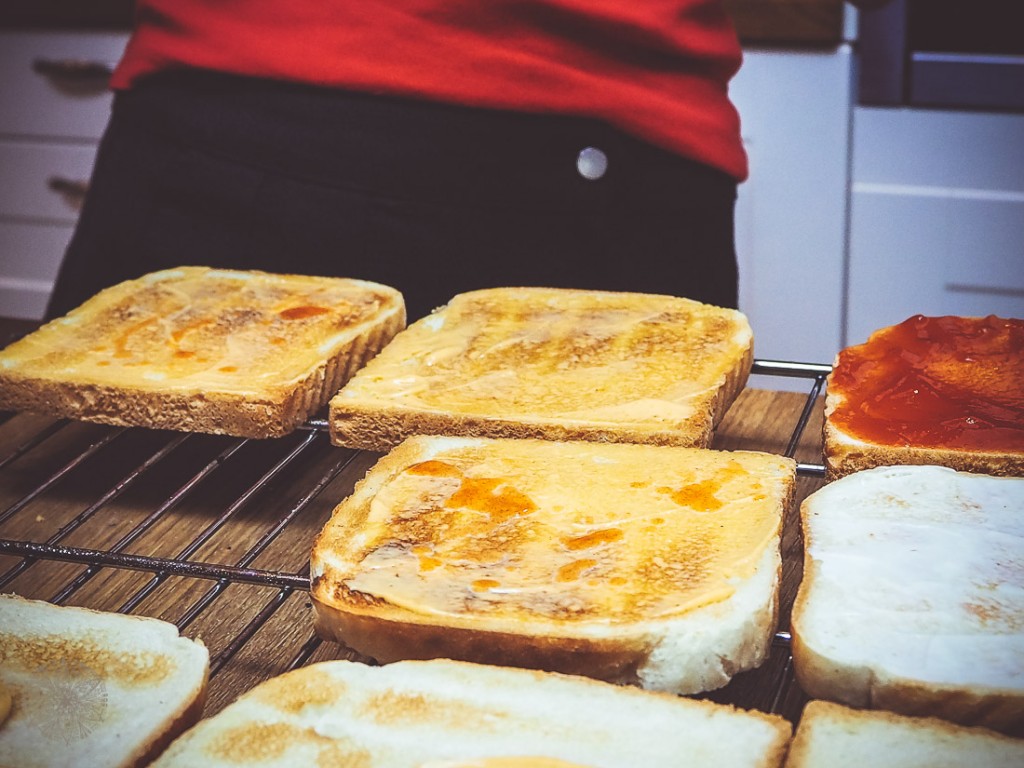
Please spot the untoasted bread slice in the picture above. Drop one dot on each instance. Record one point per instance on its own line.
(834, 736)
(912, 598)
(409, 714)
(651, 565)
(94, 688)
(946, 391)
(202, 350)
(552, 364)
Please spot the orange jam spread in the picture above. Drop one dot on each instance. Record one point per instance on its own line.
(935, 382)
(540, 529)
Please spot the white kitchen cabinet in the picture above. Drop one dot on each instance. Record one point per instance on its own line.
(937, 216)
(54, 105)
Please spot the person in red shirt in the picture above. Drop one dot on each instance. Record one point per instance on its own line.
(433, 145)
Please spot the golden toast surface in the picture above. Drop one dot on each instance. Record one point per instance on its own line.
(561, 532)
(536, 356)
(200, 329)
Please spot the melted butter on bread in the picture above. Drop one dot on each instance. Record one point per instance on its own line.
(567, 532)
(560, 354)
(195, 329)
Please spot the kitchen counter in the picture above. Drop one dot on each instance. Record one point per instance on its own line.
(213, 533)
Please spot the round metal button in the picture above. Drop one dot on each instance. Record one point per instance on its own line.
(591, 163)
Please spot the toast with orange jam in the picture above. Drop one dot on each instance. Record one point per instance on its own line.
(250, 354)
(931, 390)
(554, 364)
(649, 565)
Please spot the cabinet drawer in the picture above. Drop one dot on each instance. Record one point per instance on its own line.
(934, 254)
(43, 181)
(55, 83)
(30, 255)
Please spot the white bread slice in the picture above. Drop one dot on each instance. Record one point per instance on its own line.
(650, 565)
(195, 349)
(91, 688)
(912, 598)
(833, 736)
(945, 391)
(409, 714)
(554, 364)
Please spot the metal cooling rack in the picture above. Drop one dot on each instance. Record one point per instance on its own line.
(275, 486)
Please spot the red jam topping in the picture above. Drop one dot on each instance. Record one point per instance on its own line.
(936, 382)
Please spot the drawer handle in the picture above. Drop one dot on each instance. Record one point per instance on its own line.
(73, 69)
(75, 77)
(72, 190)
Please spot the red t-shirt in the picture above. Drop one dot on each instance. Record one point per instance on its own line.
(658, 69)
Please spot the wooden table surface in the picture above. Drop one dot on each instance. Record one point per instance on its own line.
(213, 533)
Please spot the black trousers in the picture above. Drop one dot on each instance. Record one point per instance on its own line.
(204, 169)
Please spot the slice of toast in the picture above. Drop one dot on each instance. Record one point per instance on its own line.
(94, 688)
(423, 713)
(195, 349)
(553, 364)
(834, 736)
(912, 598)
(946, 391)
(650, 565)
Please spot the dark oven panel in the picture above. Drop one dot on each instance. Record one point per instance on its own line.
(945, 54)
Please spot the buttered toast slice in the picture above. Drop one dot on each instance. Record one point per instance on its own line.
(90, 688)
(417, 714)
(250, 354)
(553, 364)
(834, 736)
(943, 391)
(912, 597)
(652, 565)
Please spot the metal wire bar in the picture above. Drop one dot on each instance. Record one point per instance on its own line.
(242, 637)
(805, 415)
(60, 474)
(265, 541)
(305, 652)
(127, 561)
(119, 488)
(233, 509)
(175, 498)
(36, 439)
(790, 369)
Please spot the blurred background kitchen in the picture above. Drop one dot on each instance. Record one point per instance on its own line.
(886, 159)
